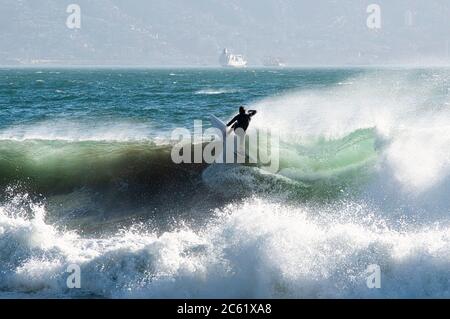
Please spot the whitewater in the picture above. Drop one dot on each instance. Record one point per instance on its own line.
(86, 179)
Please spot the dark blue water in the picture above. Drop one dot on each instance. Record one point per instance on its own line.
(166, 98)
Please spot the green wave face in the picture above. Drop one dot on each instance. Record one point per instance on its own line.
(315, 168)
(61, 165)
(330, 166)
(318, 169)
(320, 157)
(323, 167)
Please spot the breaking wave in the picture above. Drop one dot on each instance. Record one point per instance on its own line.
(363, 179)
(217, 91)
(254, 249)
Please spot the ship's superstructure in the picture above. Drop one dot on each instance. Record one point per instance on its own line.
(227, 59)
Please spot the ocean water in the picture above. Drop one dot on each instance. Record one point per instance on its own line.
(86, 178)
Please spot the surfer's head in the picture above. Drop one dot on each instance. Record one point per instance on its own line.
(241, 110)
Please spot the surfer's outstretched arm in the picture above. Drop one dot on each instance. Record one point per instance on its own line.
(232, 121)
(251, 112)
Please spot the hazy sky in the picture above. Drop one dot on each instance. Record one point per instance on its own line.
(193, 32)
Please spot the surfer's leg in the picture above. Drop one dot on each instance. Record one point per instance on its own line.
(232, 128)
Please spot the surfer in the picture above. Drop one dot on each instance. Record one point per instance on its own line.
(242, 120)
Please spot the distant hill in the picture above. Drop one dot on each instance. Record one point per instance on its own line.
(194, 32)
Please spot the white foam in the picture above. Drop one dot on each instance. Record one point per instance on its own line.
(216, 91)
(256, 249)
(419, 155)
(64, 130)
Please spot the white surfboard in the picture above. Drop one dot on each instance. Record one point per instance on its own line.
(217, 123)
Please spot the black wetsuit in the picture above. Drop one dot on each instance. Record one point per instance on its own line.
(242, 120)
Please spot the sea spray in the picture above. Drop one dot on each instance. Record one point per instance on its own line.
(256, 249)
